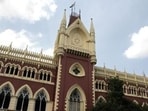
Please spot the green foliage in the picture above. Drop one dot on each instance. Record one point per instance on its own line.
(116, 100)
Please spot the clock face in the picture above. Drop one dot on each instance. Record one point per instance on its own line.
(77, 39)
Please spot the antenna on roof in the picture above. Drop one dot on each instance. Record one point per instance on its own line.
(72, 7)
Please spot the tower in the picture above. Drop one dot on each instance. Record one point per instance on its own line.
(75, 53)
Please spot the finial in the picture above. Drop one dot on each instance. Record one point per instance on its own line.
(63, 22)
(10, 45)
(92, 30)
(26, 48)
(144, 74)
(41, 51)
(115, 67)
(104, 66)
(79, 13)
(72, 7)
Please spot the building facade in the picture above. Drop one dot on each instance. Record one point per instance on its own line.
(68, 81)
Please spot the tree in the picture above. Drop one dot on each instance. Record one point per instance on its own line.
(116, 100)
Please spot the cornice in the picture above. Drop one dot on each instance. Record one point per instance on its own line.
(127, 77)
(9, 53)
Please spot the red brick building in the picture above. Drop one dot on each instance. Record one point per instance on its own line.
(68, 81)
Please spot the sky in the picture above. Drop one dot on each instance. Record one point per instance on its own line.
(121, 28)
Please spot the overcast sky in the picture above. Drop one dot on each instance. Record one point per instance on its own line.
(121, 28)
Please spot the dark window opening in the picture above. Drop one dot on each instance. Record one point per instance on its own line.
(74, 101)
(41, 76)
(25, 73)
(16, 71)
(40, 103)
(12, 70)
(44, 76)
(8, 69)
(29, 73)
(23, 99)
(48, 77)
(33, 73)
(5, 97)
(76, 70)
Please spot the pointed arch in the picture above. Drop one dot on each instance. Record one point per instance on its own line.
(101, 99)
(23, 99)
(125, 88)
(25, 87)
(29, 72)
(41, 98)
(80, 26)
(11, 87)
(77, 69)
(81, 98)
(45, 91)
(5, 96)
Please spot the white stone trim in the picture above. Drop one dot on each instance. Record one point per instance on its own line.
(83, 97)
(58, 85)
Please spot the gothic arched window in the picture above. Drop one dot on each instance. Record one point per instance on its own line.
(40, 103)
(74, 101)
(23, 99)
(16, 70)
(25, 72)
(12, 70)
(41, 75)
(48, 77)
(8, 69)
(5, 97)
(96, 84)
(44, 76)
(33, 73)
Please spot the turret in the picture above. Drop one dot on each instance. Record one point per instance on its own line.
(92, 42)
(59, 44)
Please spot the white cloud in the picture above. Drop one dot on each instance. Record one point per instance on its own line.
(21, 40)
(139, 47)
(31, 10)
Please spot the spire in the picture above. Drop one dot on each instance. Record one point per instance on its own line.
(10, 46)
(63, 22)
(92, 30)
(74, 16)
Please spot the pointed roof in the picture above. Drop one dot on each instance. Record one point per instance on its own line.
(74, 16)
(92, 30)
(63, 22)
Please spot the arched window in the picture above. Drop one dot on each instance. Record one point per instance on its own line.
(77, 69)
(48, 77)
(41, 75)
(96, 84)
(16, 70)
(5, 97)
(23, 99)
(12, 70)
(142, 91)
(29, 73)
(101, 99)
(40, 102)
(132, 90)
(44, 76)
(7, 69)
(74, 101)
(25, 72)
(33, 73)
(124, 88)
(100, 85)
